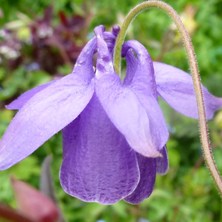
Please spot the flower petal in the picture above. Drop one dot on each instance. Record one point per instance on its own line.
(83, 67)
(129, 116)
(84, 63)
(98, 164)
(42, 116)
(140, 72)
(176, 87)
(140, 78)
(104, 63)
(158, 130)
(21, 100)
(162, 164)
(132, 107)
(147, 180)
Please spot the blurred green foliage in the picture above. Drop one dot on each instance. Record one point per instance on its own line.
(187, 193)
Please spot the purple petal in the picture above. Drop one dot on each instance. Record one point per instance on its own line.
(132, 108)
(104, 63)
(132, 65)
(140, 72)
(84, 63)
(83, 67)
(176, 87)
(131, 118)
(134, 113)
(42, 116)
(162, 164)
(147, 168)
(158, 131)
(21, 100)
(98, 165)
(140, 78)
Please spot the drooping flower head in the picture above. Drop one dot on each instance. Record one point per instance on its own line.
(114, 132)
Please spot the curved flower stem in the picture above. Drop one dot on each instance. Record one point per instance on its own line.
(207, 152)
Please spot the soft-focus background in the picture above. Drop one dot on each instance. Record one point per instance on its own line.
(41, 41)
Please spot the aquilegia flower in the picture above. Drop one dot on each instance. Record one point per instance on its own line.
(114, 132)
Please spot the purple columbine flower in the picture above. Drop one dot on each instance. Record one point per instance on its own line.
(114, 132)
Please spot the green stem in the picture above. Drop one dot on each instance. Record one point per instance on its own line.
(207, 152)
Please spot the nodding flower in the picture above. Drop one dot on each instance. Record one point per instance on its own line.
(114, 132)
